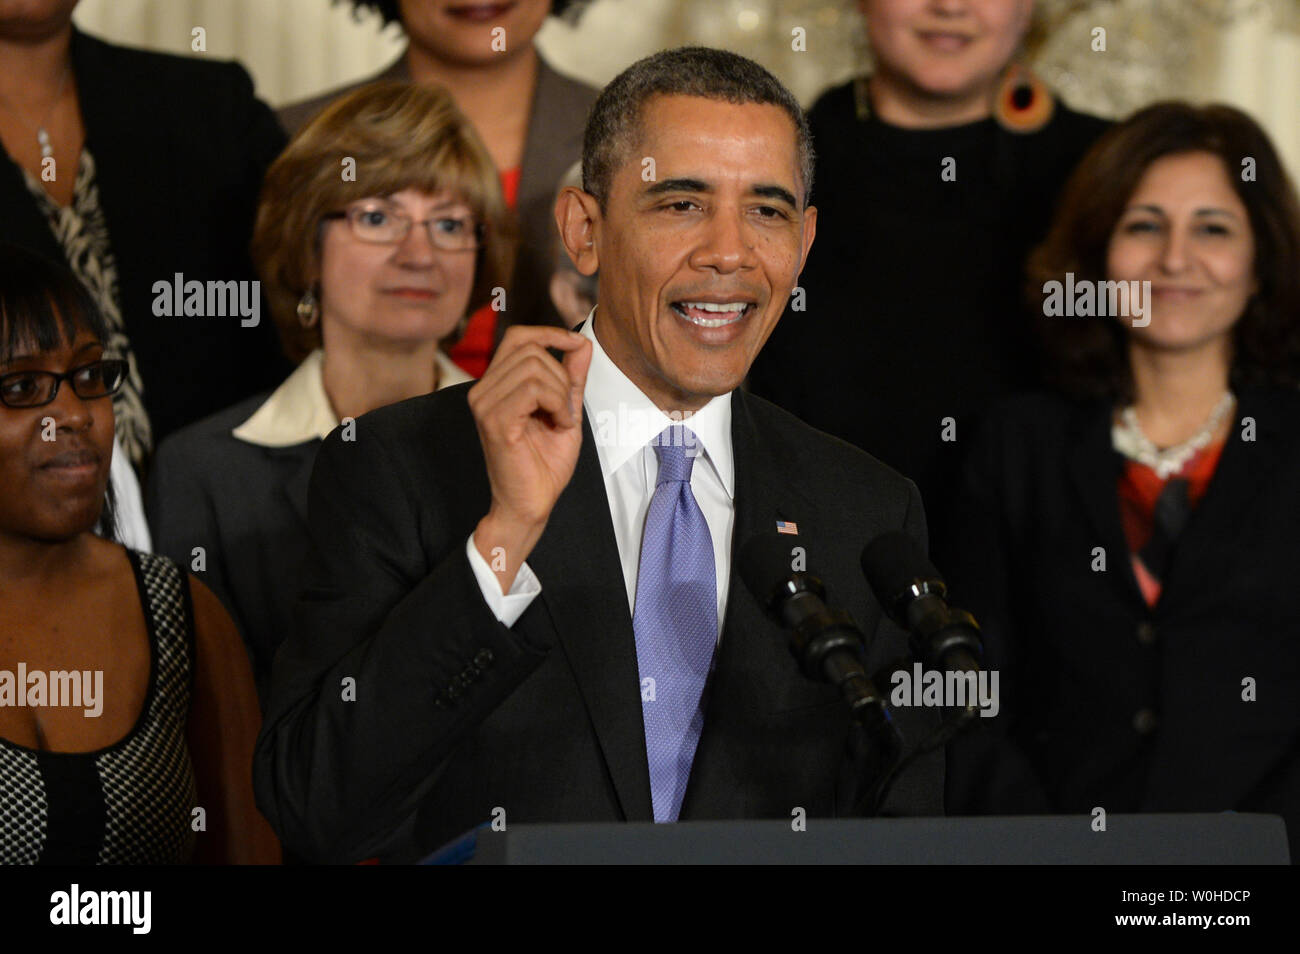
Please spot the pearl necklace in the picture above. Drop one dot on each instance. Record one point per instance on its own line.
(1126, 437)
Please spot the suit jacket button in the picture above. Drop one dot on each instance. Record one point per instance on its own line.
(1144, 721)
(484, 658)
(1146, 634)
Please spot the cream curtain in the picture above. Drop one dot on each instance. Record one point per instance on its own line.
(293, 48)
(1246, 52)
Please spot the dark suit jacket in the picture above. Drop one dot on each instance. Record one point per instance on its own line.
(180, 147)
(246, 506)
(553, 143)
(1080, 652)
(456, 715)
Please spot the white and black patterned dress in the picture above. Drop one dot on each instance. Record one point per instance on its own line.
(131, 802)
(82, 232)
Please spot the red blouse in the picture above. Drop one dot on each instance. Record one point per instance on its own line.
(1140, 488)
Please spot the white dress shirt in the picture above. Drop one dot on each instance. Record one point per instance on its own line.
(132, 529)
(624, 421)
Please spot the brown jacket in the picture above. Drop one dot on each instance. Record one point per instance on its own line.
(553, 143)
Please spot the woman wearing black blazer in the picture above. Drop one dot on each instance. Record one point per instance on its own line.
(367, 278)
(134, 168)
(1130, 543)
(935, 177)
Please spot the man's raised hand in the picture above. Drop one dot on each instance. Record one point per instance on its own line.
(528, 410)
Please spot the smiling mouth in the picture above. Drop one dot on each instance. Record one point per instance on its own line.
(707, 314)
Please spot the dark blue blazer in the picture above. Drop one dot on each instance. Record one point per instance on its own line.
(1106, 701)
(245, 505)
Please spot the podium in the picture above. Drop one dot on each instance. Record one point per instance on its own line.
(1164, 839)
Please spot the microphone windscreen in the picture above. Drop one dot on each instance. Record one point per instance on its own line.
(891, 562)
(765, 563)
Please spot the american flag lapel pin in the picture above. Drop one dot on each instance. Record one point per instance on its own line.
(787, 526)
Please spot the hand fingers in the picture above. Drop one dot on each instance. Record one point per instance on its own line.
(532, 358)
(577, 363)
(526, 398)
(527, 364)
(547, 336)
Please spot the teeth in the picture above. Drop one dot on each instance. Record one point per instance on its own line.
(728, 313)
(713, 306)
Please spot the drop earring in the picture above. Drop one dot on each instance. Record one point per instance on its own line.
(308, 309)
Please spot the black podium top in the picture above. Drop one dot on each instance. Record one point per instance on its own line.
(1224, 839)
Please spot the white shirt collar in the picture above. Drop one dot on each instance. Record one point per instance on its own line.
(623, 420)
(299, 410)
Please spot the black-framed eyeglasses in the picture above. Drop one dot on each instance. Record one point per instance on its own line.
(98, 379)
(382, 223)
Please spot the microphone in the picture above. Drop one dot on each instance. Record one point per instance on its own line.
(826, 642)
(914, 596)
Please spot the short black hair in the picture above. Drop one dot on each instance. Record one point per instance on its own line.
(391, 13)
(42, 303)
(685, 71)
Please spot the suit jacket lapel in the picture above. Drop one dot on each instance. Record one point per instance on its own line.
(295, 488)
(752, 655)
(1095, 469)
(577, 562)
(543, 143)
(134, 172)
(1242, 470)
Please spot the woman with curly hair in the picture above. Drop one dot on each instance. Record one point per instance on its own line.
(1129, 543)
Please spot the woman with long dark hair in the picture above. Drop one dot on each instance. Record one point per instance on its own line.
(1130, 541)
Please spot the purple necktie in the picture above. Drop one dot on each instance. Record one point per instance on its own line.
(675, 621)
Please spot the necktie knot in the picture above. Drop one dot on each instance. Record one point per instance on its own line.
(676, 448)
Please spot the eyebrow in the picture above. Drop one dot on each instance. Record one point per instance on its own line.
(1206, 211)
(780, 193)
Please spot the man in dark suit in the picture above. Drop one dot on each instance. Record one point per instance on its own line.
(521, 602)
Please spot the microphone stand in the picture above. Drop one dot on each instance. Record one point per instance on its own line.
(829, 646)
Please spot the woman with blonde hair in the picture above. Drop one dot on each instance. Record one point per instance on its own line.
(380, 228)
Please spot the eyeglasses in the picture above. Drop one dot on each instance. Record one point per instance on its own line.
(38, 388)
(380, 223)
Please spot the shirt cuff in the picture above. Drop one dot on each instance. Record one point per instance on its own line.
(506, 607)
